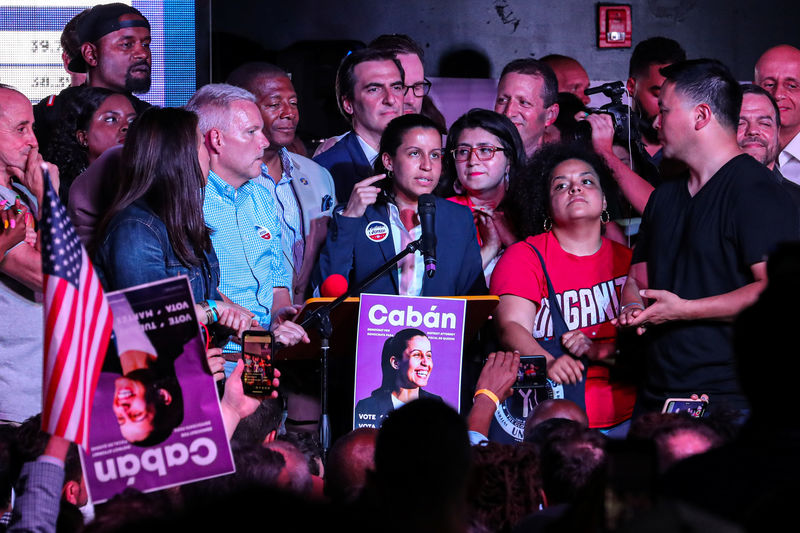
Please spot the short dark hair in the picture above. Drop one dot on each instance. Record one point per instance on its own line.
(442, 469)
(246, 75)
(70, 41)
(254, 428)
(654, 51)
(572, 457)
(504, 485)
(30, 442)
(708, 81)
(535, 67)
(752, 88)
(397, 43)
(498, 125)
(345, 75)
(308, 444)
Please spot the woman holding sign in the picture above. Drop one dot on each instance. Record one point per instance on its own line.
(559, 288)
(406, 366)
(381, 218)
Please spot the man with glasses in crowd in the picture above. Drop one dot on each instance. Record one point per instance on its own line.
(410, 55)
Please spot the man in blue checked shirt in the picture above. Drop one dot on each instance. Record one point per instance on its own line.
(242, 216)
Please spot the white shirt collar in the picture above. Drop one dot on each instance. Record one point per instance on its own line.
(369, 151)
(792, 151)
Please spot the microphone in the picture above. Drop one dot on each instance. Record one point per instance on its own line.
(334, 286)
(427, 211)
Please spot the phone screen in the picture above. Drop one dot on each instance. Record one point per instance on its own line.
(532, 373)
(694, 408)
(257, 356)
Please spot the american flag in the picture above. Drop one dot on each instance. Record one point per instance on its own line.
(77, 325)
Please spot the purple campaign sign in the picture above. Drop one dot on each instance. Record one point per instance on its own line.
(156, 420)
(407, 347)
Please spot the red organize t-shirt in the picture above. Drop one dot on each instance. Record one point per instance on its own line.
(588, 289)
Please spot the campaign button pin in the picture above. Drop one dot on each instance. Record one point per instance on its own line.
(304, 181)
(264, 233)
(377, 231)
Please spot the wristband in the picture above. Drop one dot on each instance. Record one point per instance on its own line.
(492, 396)
(212, 304)
(632, 304)
(210, 315)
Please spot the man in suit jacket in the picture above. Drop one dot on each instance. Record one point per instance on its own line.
(370, 91)
(302, 189)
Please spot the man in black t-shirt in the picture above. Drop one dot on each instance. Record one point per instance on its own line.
(703, 241)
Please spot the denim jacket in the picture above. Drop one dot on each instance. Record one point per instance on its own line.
(136, 250)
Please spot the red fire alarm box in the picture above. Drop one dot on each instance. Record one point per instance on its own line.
(614, 26)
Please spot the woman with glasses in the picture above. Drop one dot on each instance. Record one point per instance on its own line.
(381, 219)
(559, 206)
(484, 154)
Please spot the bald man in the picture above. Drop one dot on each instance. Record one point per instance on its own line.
(571, 76)
(351, 457)
(778, 71)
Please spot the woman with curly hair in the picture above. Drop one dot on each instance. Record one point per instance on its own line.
(94, 119)
(559, 288)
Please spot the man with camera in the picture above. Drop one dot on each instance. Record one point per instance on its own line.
(644, 86)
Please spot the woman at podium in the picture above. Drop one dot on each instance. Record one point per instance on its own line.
(381, 218)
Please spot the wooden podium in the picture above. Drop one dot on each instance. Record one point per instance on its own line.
(340, 376)
(345, 322)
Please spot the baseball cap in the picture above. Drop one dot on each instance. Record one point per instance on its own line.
(101, 20)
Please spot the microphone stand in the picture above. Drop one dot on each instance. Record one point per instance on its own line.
(322, 320)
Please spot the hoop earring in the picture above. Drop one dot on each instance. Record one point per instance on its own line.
(390, 174)
(548, 224)
(506, 180)
(605, 217)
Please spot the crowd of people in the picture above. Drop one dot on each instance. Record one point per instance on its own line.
(635, 261)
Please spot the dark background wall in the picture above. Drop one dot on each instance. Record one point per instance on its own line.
(734, 31)
(476, 38)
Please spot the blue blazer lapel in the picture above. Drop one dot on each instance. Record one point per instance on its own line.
(361, 167)
(381, 213)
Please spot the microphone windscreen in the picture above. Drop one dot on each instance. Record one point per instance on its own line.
(426, 201)
(334, 286)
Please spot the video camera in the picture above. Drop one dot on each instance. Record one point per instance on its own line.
(620, 113)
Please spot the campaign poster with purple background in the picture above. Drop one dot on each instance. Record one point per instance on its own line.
(393, 361)
(156, 420)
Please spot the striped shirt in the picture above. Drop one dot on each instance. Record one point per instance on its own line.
(247, 238)
(291, 219)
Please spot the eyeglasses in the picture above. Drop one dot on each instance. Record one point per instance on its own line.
(419, 89)
(484, 152)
